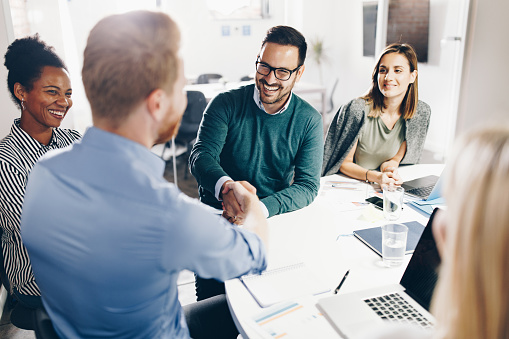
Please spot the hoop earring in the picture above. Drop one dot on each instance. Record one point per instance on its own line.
(23, 104)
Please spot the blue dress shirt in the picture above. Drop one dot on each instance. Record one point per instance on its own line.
(107, 236)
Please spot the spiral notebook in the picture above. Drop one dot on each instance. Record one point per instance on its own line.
(279, 284)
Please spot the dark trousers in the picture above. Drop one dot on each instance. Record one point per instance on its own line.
(206, 288)
(30, 301)
(210, 318)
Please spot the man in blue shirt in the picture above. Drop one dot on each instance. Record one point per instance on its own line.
(106, 234)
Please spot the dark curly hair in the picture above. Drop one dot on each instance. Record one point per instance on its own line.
(25, 58)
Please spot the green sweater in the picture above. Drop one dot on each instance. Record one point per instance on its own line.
(239, 140)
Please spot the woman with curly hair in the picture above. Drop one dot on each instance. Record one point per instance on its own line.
(40, 87)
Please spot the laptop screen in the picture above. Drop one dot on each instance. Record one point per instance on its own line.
(421, 273)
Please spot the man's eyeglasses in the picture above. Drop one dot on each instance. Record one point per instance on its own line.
(282, 74)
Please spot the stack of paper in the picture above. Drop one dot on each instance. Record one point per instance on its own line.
(273, 286)
(299, 319)
(427, 206)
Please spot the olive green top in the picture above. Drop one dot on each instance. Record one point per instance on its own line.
(377, 143)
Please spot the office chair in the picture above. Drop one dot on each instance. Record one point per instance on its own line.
(21, 316)
(3, 274)
(249, 77)
(43, 326)
(196, 104)
(208, 78)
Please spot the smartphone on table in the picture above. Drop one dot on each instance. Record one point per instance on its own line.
(378, 202)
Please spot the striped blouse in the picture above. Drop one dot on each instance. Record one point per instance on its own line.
(18, 154)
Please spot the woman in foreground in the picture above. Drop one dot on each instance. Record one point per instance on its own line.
(471, 299)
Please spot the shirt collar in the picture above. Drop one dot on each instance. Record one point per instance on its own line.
(17, 130)
(117, 144)
(258, 102)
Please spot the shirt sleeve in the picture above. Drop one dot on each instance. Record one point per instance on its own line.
(306, 181)
(204, 160)
(12, 190)
(210, 246)
(219, 184)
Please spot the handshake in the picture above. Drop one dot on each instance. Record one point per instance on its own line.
(239, 197)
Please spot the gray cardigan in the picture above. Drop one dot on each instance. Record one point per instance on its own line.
(346, 126)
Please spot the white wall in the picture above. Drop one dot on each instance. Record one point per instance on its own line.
(483, 95)
(341, 28)
(205, 50)
(439, 78)
(9, 110)
(84, 14)
(60, 35)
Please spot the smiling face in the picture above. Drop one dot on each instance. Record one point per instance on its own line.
(46, 105)
(274, 92)
(394, 76)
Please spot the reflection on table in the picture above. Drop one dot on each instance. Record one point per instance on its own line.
(320, 235)
(301, 88)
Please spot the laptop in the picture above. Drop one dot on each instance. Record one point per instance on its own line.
(427, 188)
(406, 302)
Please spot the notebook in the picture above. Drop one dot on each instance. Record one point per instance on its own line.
(372, 237)
(279, 284)
(424, 188)
(352, 313)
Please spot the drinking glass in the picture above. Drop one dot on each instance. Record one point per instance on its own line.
(393, 202)
(394, 237)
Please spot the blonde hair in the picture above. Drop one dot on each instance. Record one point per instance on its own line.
(126, 58)
(472, 295)
(375, 98)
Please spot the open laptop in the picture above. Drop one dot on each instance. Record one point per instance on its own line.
(406, 302)
(427, 188)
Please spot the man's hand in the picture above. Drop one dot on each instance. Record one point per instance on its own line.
(253, 219)
(234, 200)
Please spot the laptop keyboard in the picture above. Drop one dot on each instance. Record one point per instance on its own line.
(423, 192)
(393, 307)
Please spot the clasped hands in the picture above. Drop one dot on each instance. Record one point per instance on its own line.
(390, 175)
(236, 196)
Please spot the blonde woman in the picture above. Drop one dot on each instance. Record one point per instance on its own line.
(471, 299)
(472, 296)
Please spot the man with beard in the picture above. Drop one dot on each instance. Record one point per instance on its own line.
(263, 134)
(106, 234)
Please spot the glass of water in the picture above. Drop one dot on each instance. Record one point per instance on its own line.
(393, 202)
(394, 238)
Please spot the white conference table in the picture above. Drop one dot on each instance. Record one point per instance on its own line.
(212, 89)
(320, 235)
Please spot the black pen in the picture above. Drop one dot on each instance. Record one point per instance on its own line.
(341, 283)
